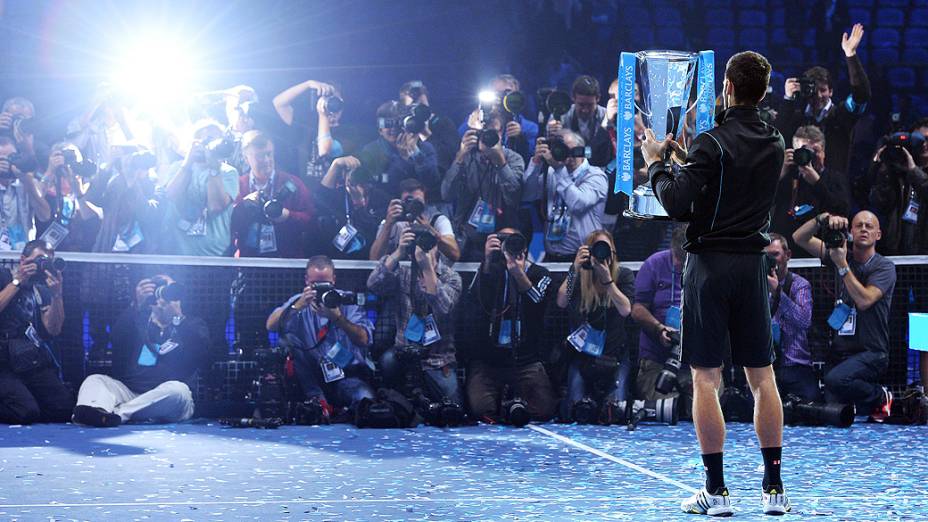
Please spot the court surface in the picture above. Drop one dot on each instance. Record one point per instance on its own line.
(202, 471)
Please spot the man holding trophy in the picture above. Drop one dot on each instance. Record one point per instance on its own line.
(724, 189)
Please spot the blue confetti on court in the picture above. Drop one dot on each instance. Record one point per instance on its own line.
(202, 471)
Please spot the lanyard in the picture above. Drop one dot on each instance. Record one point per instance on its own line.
(673, 285)
(347, 207)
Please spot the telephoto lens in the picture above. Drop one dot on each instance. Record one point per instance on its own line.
(802, 156)
(515, 412)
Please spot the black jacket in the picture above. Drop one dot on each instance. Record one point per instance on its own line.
(726, 188)
(889, 196)
(831, 194)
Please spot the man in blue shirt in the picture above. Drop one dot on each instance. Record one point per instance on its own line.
(329, 341)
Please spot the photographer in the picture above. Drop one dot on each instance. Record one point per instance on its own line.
(900, 184)
(791, 317)
(397, 155)
(348, 210)
(74, 221)
(104, 125)
(201, 194)
(31, 313)
(597, 294)
(485, 185)
(589, 119)
(859, 351)
(807, 186)
(808, 101)
(520, 133)
(272, 208)
(411, 209)
(426, 293)
(331, 335)
(21, 202)
(512, 295)
(658, 296)
(157, 352)
(315, 150)
(17, 122)
(438, 131)
(574, 190)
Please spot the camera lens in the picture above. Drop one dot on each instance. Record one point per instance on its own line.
(559, 150)
(489, 138)
(802, 156)
(424, 237)
(558, 103)
(514, 244)
(514, 102)
(412, 209)
(601, 250)
(334, 104)
(273, 209)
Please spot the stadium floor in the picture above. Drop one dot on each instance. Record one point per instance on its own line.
(201, 471)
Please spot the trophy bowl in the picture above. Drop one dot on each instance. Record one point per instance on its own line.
(663, 80)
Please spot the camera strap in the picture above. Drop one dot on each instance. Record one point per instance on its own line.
(785, 288)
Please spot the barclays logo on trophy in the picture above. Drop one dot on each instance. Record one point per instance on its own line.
(665, 96)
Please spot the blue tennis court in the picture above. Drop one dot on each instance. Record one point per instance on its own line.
(202, 471)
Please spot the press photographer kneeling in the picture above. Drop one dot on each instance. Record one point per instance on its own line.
(157, 351)
(328, 334)
(511, 295)
(859, 352)
(422, 362)
(596, 294)
(31, 313)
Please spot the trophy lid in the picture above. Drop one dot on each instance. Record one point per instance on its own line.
(666, 54)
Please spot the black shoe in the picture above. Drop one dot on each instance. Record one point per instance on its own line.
(93, 416)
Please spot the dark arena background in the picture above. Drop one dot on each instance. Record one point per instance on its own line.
(127, 85)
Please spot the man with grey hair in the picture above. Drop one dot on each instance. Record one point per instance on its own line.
(574, 193)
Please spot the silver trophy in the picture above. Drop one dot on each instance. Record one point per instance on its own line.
(665, 87)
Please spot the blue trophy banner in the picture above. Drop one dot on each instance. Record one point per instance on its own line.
(705, 104)
(625, 127)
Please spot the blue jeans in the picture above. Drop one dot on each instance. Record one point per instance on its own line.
(346, 392)
(439, 383)
(799, 381)
(616, 390)
(856, 380)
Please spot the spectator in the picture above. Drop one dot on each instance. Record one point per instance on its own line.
(428, 292)
(397, 155)
(900, 185)
(201, 194)
(349, 209)
(791, 317)
(398, 221)
(329, 343)
(511, 296)
(589, 119)
(522, 131)
(439, 131)
(658, 295)
(859, 353)
(157, 351)
(21, 202)
(74, 222)
(31, 313)
(272, 208)
(574, 193)
(485, 185)
(315, 150)
(817, 108)
(803, 191)
(597, 294)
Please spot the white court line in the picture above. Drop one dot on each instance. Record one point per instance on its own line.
(617, 460)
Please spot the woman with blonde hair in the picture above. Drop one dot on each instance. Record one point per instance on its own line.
(597, 294)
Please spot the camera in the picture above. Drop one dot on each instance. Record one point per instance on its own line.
(807, 87)
(667, 380)
(274, 208)
(802, 156)
(513, 244)
(560, 151)
(80, 166)
(601, 251)
(419, 116)
(442, 414)
(808, 413)
(47, 264)
(555, 102)
(831, 237)
(164, 290)
(663, 411)
(412, 209)
(515, 412)
(330, 297)
(893, 154)
(771, 262)
(425, 239)
(21, 123)
(333, 104)
(218, 149)
(141, 160)
(488, 137)
(585, 411)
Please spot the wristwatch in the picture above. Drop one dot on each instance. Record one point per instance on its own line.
(843, 271)
(16, 282)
